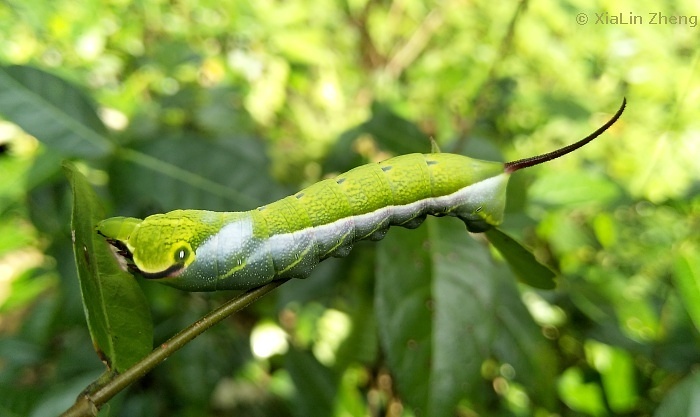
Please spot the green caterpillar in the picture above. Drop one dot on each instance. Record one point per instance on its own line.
(197, 250)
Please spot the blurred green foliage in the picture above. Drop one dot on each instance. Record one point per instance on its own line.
(226, 105)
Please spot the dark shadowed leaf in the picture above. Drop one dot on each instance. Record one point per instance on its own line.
(190, 172)
(522, 261)
(403, 307)
(316, 385)
(443, 307)
(392, 133)
(52, 110)
(117, 313)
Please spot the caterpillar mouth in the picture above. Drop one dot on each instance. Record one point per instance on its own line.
(126, 261)
(123, 255)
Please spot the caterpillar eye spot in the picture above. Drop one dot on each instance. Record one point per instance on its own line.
(181, 255)
(386, 168)
(478, 209)
(299, 195)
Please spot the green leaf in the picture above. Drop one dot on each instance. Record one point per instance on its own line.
(117, 313)
(687, 278)
(573, 189)
(618, 374)
(394, 133)
(316, 385)
(52, 110)
(189, 172)
(682, 400)
(403, 306)
(522, 261)
(580, 394)
(391, 132)
(443, 307)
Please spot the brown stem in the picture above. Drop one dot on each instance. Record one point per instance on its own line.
(88, 404)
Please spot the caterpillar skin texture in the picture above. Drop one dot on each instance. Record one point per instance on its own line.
(197, 250)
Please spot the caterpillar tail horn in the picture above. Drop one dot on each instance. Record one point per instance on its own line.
(511, 167)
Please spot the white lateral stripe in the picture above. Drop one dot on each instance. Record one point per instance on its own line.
(327, 234)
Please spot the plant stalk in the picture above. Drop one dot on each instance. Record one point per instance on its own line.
(89, 403)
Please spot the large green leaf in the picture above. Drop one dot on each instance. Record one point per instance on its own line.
(404, 311)
(117, 313)
(53, 111)
(443, 307)
(190, 172)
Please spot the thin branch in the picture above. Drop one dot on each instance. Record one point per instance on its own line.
(88, 404)
(415, 45)
(371, 58)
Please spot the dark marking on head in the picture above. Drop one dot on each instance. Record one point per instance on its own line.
(261, 208)
(431, 162)
(340, 181)
(171, 271)
(122, 250)
(299, 195)
(386, 168)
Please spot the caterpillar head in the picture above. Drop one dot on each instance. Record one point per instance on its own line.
(160, 246)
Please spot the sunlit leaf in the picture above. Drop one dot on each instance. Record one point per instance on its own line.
(53, 111)
(581, 395)
(687, 278)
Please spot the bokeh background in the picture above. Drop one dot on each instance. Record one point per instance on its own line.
(230, 104)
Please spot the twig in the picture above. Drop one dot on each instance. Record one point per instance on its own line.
(415, 45)
(371, 58)
(89, 403)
